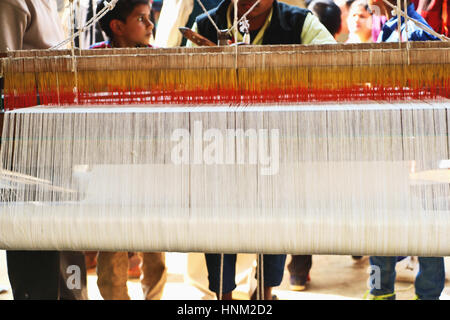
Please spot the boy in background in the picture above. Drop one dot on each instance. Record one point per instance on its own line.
(128, 25)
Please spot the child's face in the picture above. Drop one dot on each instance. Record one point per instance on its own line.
(137, 30)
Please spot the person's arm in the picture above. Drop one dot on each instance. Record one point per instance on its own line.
(314, 32)
(13, 23)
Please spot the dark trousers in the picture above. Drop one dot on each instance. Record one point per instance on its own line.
(273, 271)
(47, 275)
(300, 266)
(429, 282)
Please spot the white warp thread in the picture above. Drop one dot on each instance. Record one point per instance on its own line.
(295, 181)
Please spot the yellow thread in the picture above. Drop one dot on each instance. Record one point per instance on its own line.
(257, 79)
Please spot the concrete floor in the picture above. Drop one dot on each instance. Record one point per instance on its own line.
(332, 278)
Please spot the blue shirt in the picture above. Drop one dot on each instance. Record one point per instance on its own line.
(101, 45)
(389, 30)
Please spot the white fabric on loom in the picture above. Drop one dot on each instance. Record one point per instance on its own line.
(315, 179)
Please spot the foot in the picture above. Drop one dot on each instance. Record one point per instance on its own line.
(389, 296)
(226, 296)
(267, 294)
(298, 283)
(3, 289)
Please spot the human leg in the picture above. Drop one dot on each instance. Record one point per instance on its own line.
(154, 274)
(73, 276)
(273, 270)
(33, 274)
(299, 268)
(213, 264)
(112, 272)
(430, 279)
(383, 273)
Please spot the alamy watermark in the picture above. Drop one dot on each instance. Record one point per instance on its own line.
(73, 281)
(374, 281)
(227, 147)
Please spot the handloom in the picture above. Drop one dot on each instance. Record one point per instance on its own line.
(332, 149)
